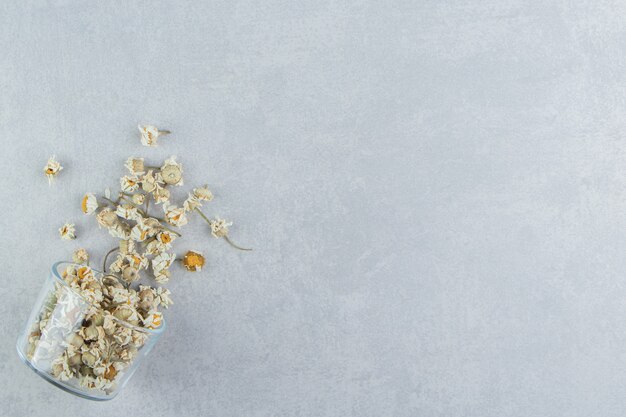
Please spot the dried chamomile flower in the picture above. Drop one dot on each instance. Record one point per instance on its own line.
(138, 199)
(146, 298)
(68, 231)
(129, 183)
(136, 260)
(89, 203)
(124, 296)
(150, 134)
(172, 172)
(161, 195)
(193, 261)
(153, 319)
(128, 212)
(191, 203)
(160, 266)
(52, 169)
(140, 231)
(150, 182)
(135, 165)
(163, 297)
(174, 215)
(130, 273)
(106, 218)
(166, 238)
(80, 256)
(203, 193)
(127, 313)
(219, 227)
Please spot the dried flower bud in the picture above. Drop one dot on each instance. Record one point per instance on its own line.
(146, 299)
(80, 256)
(191, 203)
(75, 360)
(203, 193)
(89, 358)
(193, 261)
(219, 227)
(130, 273)
(129, 183)
(149, 182)
(161, 195)
(75, 340)
(97, 319)
(91, 333)
(68, 231)
(135, 165)
(106, 218)
(150, 134)
(89, 203)
(52, 169)
(138, 199)
(174, 215)
(172, 172)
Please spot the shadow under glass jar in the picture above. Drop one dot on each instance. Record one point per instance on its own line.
(76, 345)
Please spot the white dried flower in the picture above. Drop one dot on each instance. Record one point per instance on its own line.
(137, 260)
(203, 193)
(191, 203)
(130, 273)
(122, 295)
(172, 172)
(68, 231)
(128, 212)
(52, 169)
(106, 218)
(89, 203)
(138, 199)
(163, 297)
(150, 134)
(174, 215)
(163, 261)
(129, 183)
(165, 238)
(140, 231)
(219, 227)
(161, 195)
(80, 256)
(160, 266)
(135, 165)
(149, 182)
(153, 319)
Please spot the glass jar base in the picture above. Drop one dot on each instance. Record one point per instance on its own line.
(60, 384)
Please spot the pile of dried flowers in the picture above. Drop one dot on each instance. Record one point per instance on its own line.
(114, 314)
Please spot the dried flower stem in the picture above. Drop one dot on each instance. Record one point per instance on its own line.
(171, 231)
(230, 242)
(110, 201)
(104, 264)
(206, 219)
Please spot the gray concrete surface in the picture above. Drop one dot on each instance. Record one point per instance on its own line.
(435, 192)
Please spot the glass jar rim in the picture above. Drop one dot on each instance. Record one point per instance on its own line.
(57, 277)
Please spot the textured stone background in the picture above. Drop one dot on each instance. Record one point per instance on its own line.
(434, 191)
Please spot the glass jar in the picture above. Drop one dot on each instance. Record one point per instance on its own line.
(73, 343)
